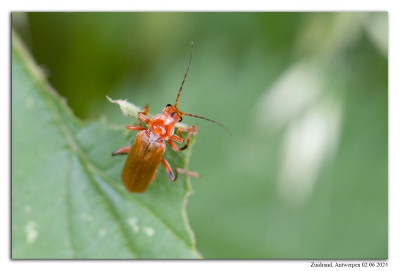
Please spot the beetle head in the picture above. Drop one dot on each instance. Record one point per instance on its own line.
(173, 113)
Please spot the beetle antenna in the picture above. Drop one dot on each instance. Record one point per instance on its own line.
(204, 118)
(184, 78)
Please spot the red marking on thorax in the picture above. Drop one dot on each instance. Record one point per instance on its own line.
(163, 125)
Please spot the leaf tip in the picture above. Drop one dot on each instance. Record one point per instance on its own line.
(128, 109)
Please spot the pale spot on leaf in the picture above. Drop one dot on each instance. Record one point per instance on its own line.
(31, 231)
(133, 223)
(149, 231)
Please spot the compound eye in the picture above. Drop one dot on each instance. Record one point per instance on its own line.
(168, 105)
(180, 119)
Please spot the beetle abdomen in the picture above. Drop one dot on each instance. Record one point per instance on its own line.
(141, 164)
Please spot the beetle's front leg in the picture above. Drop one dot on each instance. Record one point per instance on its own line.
(192, 130)
(142, 115)
(173, 145)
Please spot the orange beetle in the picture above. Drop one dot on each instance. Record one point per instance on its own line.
(146, 152)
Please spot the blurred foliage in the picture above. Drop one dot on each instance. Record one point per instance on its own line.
(305, 174)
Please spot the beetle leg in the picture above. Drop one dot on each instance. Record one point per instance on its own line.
(173, 145)
(135, 128)
(168, 169)
(142, 117)
(145, 109)
(120, 151)
(143, 113)
(173, 176)
(177, 138)
(188, 173)
(190, 131)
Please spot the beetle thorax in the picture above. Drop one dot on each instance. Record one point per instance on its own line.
(162, 126)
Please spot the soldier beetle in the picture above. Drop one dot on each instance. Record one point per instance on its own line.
(147, 150)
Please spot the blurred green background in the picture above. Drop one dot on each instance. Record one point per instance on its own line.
(305, 174)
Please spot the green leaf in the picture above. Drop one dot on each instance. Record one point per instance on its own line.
(67, 197)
